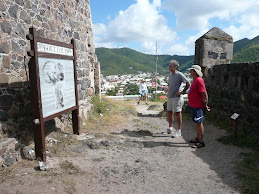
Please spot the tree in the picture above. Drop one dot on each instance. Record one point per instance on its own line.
(112, 92)
(131, 89)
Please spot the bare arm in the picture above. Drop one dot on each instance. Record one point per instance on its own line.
(205, 100)
(187, 85)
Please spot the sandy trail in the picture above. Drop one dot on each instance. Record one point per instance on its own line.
(135, 158)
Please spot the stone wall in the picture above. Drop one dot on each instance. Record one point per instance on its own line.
(233, 88)
(59, 20)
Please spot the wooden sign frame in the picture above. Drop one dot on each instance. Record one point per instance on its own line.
(55, 55)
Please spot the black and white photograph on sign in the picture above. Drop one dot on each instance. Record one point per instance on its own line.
(56, 85)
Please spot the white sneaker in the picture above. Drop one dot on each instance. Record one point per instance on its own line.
(168, 131)
(177, 134)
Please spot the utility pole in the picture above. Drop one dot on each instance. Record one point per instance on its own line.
(156, 70)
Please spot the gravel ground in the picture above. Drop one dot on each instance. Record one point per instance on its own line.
(133, 157)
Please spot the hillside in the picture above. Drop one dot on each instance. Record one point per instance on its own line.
(246, 50)
(240, 44)
(129, 61)
(249, 54)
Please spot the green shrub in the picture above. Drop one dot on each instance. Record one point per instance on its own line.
(99, 105)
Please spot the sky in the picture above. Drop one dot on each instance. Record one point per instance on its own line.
(173, 25)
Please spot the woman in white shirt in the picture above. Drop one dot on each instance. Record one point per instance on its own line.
(143, 90)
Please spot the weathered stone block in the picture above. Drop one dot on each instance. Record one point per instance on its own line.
(13, 10)
(20, 58)
(13, 112)
(3, 116)
(47, 1)
(6, 62)
(90, 91)
(81, 95)
(16, 48)
(2, 6)
(4, 47)
(36, 23)
(4, 78)
(6, 27)
(25, 17)
(2, 151)
(10, 159)
(6, 101)
(83, 86)
(22, 73)
(20, 2)
(28, 153)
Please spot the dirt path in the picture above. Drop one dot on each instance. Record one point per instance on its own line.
(133, 158)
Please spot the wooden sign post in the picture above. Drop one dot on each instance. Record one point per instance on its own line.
(234, 118)
(53, 80)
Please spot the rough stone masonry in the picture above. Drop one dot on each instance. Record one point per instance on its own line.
(232, 87)
(59, 20)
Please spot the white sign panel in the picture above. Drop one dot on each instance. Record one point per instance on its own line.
(56, 85)
(234, 116)
(48, 48)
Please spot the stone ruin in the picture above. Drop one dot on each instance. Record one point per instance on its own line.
(232, 87)
(59, 20)
(213, 48)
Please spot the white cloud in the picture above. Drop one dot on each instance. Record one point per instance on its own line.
(180, 49)
(141, 22)
(149, 47)
(241, 32)
(196, 14)
(157, 3)
(106, 45)
(99, 29)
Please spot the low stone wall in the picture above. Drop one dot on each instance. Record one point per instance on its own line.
(233, 88)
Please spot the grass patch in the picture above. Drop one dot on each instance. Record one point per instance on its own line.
(70, 185)
(10, 172)
(100, 106)
(248, 172)
(242, 139)
(107, 113)
(69, 167)
(63, 144)
(248, 168)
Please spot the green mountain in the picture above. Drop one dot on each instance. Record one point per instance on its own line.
(240, 44)
(246, 50)
(248, 54)
(129, 61)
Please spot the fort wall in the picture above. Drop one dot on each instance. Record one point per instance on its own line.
(233, 88)
(60, 20)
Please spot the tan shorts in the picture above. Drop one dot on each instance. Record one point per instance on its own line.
(175, 104)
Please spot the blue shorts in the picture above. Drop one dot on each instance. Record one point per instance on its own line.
(144, 92)
(197, 115)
